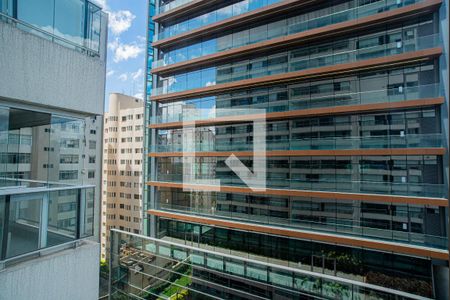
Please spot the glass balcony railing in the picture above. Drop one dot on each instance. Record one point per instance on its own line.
(73, 23)
(333, 143)
(38, 215)
(308, 101)
(331, 225)
(149, 268)
(218, 15)
(341, 186)
(172, 5)
(291, 61)
(288, 27)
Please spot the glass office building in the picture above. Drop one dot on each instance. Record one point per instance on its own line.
(355, 94)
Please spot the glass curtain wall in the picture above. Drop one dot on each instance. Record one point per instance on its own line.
(400, 39)
(408, 274)
(39, 148)
(413, 82)
(333, 13)
(75, 22)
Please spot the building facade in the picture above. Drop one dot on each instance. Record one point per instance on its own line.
(122, 167)
(53, 62)
(355, 95)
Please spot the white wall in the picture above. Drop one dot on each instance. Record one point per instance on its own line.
(39, 71)
(71, 274)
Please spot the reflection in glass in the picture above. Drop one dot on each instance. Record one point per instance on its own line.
(69, 20)
(62, 216)
(23, 226)
(73, 23)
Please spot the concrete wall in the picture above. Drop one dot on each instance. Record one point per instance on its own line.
(39, 71)
(71, 274)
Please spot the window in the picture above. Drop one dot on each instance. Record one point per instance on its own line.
(91, 174)
(68, 175)
(92, 159)
(70, 143)
(92, 145)
(69, 159)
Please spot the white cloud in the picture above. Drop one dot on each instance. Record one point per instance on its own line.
(123, 52)
(114, 44)
(137, 75)
(123, 77)
(110, 73)
(139, 96)
(102, 3)
(120, 21)
(141, 39)
(126, 51)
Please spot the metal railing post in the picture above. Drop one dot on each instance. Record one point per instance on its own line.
(43, 227)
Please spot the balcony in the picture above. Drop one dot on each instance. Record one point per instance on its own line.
(262, 33)
(78, 28)
(172, 5)
(340, 185)
(181, 112)
(214, 144)
(36, 215)
(144, 267)
(295, 64)
(322, 224)
(221, 14)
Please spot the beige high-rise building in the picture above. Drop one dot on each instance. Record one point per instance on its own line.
(122, 166)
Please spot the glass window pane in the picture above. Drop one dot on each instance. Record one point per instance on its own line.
(69, 20)
(2, 220)
(38, 13)
(67, 135)
(88, 223)
(23, 225)
(62, 217)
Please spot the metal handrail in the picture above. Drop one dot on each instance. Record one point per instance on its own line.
(19, 190)
(271, 265)
(41, 252)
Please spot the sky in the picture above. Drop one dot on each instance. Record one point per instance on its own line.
(126, 47)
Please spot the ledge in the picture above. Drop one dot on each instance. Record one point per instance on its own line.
(442, 202)
(305, 36)
(349, 152)
(239, 20)
(184, 9)
(335, 110)
(345, 68)
(309, 235)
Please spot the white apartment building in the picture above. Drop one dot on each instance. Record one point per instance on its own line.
(122, 167)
